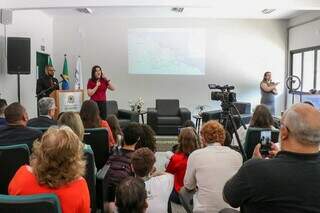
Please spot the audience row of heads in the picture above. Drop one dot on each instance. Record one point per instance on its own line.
(89, 117)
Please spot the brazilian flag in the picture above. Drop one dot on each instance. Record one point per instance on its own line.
(65, 73)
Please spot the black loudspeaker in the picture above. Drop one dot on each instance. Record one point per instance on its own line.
(18, 55)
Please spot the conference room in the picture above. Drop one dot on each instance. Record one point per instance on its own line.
(187, 79)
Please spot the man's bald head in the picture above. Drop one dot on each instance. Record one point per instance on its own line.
(303, 123)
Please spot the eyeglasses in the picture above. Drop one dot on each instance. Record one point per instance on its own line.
(51, 70)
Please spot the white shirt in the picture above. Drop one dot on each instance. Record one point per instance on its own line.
(209, 169)
(158, 190)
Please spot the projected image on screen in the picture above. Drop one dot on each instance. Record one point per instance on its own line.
(166, 51)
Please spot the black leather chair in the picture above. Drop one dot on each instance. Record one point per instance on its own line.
(167, 117)
(102, 187)
(97, 139)
(11, 159)
(124, 116)
(253, 138)
(40, 203)
(90, 176)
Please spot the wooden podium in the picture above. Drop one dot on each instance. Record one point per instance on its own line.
(67, 100)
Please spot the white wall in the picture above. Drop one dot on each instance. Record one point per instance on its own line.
(38, 26)
(238, 52)
(304, 35)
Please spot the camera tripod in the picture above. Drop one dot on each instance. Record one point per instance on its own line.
(227, 117)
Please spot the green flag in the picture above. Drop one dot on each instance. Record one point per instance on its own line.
(65, 83)
(49, 61)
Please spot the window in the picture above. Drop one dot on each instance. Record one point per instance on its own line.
(305, 64)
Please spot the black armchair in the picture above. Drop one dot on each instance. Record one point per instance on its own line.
(124, 116)
(167, 117)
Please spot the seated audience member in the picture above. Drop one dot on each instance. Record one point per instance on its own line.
(47, 108)
(289, 181)
(16, 131)
(120, 162)
(72, 120)
(56, 166)
(90, 116)
(158, 186)
(189, 123)
(3, 105)
(114, 124)
(131, 196)
(208, 169)
(261, 118)
(177, 166)
(147, 139)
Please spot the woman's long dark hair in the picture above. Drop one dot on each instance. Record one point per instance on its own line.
(264, 76)
(93, 71)
(261, 117)
(90, 114)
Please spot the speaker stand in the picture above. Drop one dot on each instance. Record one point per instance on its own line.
(18, 87)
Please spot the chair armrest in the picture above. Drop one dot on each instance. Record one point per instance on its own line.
(101, 186)
(152, 118)
(127, 114)
(185, 115)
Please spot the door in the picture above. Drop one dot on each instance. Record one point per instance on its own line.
(42, 61)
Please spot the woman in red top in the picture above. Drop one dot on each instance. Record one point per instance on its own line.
(90, 117)
(178, 163)
(97, 89)
(56, 166)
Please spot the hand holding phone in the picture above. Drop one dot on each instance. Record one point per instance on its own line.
(265, 142)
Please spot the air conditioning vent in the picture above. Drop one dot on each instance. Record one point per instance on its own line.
(268, 11)
(177, 9)
(84, 10)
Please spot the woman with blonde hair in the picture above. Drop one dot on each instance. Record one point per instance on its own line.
(57, 167)
(72, 120)
(177, 166)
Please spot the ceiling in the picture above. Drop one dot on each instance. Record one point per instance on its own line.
(166, 12)
(285, 9)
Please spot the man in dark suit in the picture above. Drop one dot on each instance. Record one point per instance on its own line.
(47, 108)
(47, 84)
(16, 131)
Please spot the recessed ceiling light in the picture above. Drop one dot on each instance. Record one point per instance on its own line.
(268, 11)
(177, 9)
(84, 10)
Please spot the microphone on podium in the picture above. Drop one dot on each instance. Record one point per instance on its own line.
(62, 77)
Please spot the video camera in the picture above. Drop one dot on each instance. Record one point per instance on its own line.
(225, 95)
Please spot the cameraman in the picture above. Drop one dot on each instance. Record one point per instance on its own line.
(290, 181)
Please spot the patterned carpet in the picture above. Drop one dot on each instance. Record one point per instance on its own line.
(165, 143)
